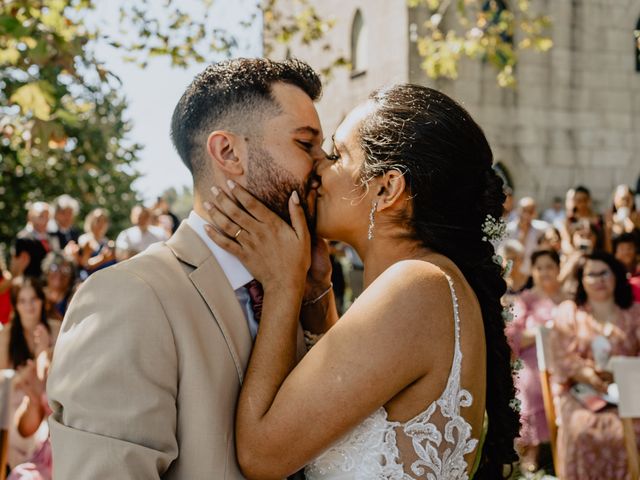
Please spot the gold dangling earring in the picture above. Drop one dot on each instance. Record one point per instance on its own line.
(372, 220)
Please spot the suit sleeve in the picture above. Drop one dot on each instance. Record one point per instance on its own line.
(113, 383)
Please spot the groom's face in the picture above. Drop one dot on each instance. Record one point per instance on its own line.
(284, 158)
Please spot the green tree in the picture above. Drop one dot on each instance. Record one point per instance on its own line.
(62, 126)
(62, 119)
(495, 31)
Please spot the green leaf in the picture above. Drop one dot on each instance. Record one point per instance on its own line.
(9, 56)
(10, 25)
(36, 97)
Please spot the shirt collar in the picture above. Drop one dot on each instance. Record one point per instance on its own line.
(235, 271)
(31, 230)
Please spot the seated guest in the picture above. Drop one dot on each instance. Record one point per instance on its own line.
(579, 210)
(527, 230)
(96, 250)
(28, 335)
(512, 252)
(5, 291)
(625, 249)
(65, 210)
(601, 321)
(624, 218)
(555, 214)
(579, 206)
(533, 308)
(30, 418)
(134, 240)
(584, 239)
(33, 242)
(163, 208)
(551, 240)
(60, 279)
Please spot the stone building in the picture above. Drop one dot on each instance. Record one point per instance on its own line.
(573, 119)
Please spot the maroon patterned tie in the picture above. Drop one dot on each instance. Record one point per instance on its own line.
(256, 294)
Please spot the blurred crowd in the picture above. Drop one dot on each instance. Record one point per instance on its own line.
(49, 260)
(575, 271)
(571, 268)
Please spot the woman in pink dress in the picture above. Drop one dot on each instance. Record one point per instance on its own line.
(533, 308)
(590, 443)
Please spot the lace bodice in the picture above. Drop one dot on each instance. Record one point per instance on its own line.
(440, 438)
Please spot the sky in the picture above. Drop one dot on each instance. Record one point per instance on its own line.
(153, 92)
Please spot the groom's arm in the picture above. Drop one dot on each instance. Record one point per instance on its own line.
(113, 383)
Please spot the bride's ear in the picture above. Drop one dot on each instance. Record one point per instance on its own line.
(391, 188)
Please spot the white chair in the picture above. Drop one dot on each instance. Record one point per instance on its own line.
(626, 374)
(544, 352)
(6, 377)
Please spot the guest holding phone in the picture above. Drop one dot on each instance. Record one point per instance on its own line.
(533, 308)
(590, 443)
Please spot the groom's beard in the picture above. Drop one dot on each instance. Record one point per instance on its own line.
(273, 186)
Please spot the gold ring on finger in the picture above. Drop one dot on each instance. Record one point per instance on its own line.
(237, 234)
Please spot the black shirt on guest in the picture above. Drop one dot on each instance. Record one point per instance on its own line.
(37, 248)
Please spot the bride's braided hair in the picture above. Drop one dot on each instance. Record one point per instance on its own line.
(447, 163)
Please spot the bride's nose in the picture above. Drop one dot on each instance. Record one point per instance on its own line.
(321, 165)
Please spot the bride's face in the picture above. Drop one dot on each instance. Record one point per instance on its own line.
(343, 204)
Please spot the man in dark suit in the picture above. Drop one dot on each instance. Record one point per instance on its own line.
(65, 210)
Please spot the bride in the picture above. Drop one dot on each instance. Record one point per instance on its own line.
(400, 386)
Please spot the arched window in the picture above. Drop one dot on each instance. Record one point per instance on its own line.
(636, 39)
(358, 45)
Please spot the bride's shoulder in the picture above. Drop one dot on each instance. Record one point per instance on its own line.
(416, 274)
(403, 309)
(413, 288)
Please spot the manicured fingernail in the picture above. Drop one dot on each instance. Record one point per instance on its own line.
(207, 206)
(295, 198)
(231, 184)
(215, 191)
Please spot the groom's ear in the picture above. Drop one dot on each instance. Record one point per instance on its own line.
(391, 189)
(225, 151)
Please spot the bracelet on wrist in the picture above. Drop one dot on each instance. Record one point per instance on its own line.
(319, 297)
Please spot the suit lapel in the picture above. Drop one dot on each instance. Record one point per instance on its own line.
(214, 288)
(212, 284)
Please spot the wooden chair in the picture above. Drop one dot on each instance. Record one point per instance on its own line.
(626, 374)
(6, 377)
(544, 353)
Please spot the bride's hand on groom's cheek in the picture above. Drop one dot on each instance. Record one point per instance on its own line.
(277, 254)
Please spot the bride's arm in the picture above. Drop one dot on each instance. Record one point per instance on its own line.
(287, 415)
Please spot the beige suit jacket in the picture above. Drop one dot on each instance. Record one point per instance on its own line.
(147, 370)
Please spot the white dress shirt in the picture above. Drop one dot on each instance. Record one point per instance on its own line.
(134, 240)
(234, 270)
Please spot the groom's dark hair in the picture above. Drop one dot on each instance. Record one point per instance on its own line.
(234, 95)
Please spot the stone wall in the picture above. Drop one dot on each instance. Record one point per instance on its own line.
(387, 54)
(573, 119)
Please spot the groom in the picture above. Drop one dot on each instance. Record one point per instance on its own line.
(152, 352)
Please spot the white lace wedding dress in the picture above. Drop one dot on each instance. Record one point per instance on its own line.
(431, 446)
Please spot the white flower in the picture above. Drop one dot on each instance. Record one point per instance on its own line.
(515, 404)
(517, 365)
(507, 314)
(494, 229)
